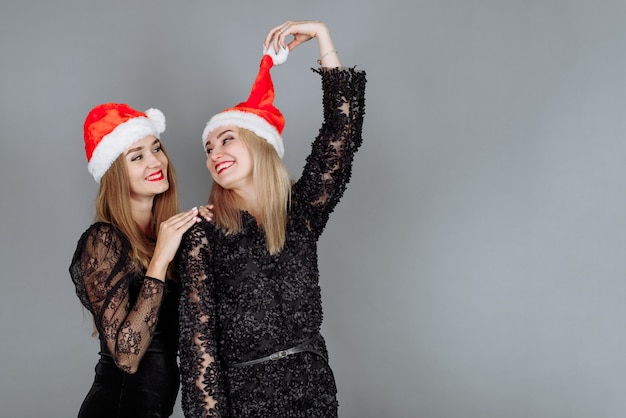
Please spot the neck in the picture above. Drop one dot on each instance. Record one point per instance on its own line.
(247, 200)
(142, 214)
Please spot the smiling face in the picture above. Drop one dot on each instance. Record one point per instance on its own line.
(147, 168)
(229, 160)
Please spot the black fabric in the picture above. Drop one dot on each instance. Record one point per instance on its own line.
(137, 322)
(150, 392)
(239, 303)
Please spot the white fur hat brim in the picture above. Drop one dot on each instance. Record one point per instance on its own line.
(248, 121)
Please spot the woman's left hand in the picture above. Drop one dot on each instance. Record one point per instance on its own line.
(206, 212)
(303, 31)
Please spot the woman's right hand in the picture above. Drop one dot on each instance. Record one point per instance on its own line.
(168, 240)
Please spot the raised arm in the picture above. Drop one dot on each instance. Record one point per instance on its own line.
(202, 388)
(329, 166)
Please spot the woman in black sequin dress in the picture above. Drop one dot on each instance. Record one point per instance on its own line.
(250, 307)
(121, 267)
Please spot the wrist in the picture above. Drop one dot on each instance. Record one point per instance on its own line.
(325, 54)
(157, 269)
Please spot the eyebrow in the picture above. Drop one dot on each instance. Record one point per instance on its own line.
(226, 131)
(219, 136)
(156, 141)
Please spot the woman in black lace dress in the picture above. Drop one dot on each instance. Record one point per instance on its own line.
(250, 309)
(121, 267)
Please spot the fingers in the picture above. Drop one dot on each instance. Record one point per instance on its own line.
(181, 221)
(272, 37)
(184, 217)
(301, 30)
(206, 212)
(188, 218)
(276, 37)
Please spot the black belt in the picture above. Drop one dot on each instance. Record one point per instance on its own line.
(300, 348)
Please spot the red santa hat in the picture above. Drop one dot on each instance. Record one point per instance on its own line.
(110, 128)
(257, 114)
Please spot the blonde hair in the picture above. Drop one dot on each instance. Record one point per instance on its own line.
(113, 206)
(273, 185)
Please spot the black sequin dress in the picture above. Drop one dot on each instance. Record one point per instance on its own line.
(239, 303)
(136, 318)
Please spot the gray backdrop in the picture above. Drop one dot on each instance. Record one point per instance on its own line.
(475, 267)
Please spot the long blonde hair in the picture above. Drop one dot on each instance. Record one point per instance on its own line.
(273, 185)
(113, 206)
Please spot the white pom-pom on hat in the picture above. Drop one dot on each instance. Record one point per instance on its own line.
(157, 118)
(277, 57)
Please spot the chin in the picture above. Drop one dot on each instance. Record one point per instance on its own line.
(164, 187)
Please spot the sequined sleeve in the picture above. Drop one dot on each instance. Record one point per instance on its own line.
(202, 388)
(329, 165)
(101, 270)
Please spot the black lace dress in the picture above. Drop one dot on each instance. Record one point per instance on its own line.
(136, 318)
(239, 303)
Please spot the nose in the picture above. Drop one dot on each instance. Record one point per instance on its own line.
(215, 154)
(153, 160)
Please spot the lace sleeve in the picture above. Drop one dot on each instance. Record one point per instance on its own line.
(202, 389)
(329, 166)
(102, 270)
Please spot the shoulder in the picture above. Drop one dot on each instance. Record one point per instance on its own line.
(103, 229)
(198, 232)
(102, 234)
(100, 243)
